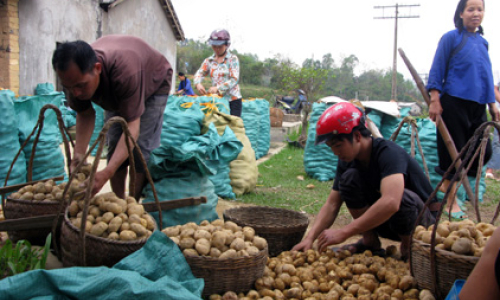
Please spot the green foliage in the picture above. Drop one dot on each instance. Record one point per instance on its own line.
(280, 74)
(22, 257)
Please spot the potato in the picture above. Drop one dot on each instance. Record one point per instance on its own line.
(125, 226)
(138, 229)
(175, 240)
(231, 226)
(113, 236)
(107, 217)
(114, 208)
(186, 242)
(171, 231)
(449, 241)
(26, 196)
(202, 246)
(443, 230)
(426, 295)
(150, 221)
(98, 229)
(137, 209)
(16, 195)
(252, 250)
(462, 246)
(202, 234)
(73, 209)
(190, 252)
(231, 253)
(214, 252)
(238, 244)
(39, 188)
(259, 242)
(219, 239)
(127, 235)
(407, 282)
(249, 233)
(218, 222)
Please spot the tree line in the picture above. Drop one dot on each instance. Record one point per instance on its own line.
(319, 78)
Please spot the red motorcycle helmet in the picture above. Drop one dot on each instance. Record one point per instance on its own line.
(219, 37)
(340, 118)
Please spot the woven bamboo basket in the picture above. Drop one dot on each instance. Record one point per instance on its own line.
(99, 251)
(231, 274)
(282, 228)
(449, 267)
(17, 209)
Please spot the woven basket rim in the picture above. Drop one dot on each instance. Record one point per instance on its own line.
(101, 239)
(445, 253)
(33, 202)
(229, 213)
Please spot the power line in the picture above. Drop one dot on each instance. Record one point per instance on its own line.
(396, 16)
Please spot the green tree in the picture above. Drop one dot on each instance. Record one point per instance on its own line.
(309, 80)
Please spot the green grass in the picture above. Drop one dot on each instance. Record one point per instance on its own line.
(278, 184)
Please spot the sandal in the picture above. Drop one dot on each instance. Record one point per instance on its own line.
(456, 216)
(359, 247)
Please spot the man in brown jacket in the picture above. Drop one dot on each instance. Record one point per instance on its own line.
(126, 77)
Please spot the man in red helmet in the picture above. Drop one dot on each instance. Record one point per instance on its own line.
(383, 187)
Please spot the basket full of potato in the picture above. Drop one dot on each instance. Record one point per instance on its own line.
(114, 229)
(227, 256)
(456, 248)
(38, 199)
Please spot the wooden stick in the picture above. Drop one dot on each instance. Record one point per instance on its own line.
(450, 145)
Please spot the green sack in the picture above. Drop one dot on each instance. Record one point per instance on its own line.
(156, 271)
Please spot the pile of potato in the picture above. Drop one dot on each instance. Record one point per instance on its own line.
(217, 239)
(49, 191)
(464, 237)
(113, 218)
(333, 276)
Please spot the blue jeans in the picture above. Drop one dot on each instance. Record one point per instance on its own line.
(494, 162)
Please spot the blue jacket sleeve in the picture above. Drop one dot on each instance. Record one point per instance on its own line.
(439, 66)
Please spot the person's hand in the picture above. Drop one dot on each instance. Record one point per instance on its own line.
(213, 90)
(331, 237)
(495, 114)
(305, 245)
(100, 180)
(435, 108)
(201, 89)
(74, 163)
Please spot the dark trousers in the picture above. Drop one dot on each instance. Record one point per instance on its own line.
(357, 194)
(462, 118)
(235, 107)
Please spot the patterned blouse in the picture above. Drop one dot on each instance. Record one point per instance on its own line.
(225, 76)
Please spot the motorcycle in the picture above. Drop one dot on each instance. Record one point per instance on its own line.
(291, 105)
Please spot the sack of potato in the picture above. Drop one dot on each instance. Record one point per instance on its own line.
(464, 237)
(332, 275)
(113, 218)
(225, 255)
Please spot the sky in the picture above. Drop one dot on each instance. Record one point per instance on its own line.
(300, 29)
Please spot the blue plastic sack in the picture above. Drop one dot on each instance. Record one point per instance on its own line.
(49, 159)
(156, 271)
(455, 290)
(255, 115)
(9, 143)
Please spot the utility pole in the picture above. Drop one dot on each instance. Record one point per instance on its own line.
(395, 17)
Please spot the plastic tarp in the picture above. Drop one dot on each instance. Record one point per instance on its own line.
(156, 271)
(257, 122)
(183, 171)
(9, 143)
(49, 159)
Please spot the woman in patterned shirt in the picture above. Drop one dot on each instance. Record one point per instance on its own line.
(224, 69)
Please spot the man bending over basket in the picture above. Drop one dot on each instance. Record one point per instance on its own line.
(126, 77)
(383, 187)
